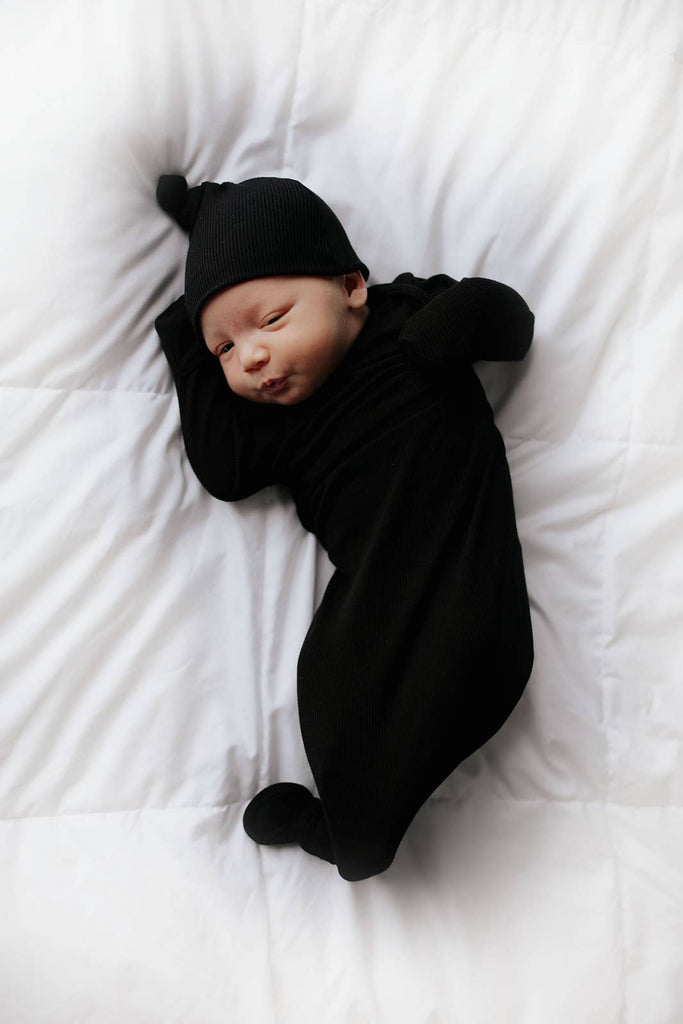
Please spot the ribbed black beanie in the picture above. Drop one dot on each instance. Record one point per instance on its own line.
(261, 227)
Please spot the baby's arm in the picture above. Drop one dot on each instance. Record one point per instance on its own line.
(231, 460)
(471, 319)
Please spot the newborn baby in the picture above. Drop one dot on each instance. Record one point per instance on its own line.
(363, 402)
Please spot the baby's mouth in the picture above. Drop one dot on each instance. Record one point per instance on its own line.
(276, 384)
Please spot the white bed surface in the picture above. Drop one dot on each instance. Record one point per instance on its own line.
(147, 665)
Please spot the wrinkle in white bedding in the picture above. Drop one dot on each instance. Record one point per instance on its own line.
(148, 656)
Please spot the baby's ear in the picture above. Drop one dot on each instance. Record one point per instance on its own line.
(356, 289)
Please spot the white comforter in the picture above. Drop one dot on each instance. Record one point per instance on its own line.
(150, 633)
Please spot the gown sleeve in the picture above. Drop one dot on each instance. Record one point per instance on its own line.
(467, 320)
(228, 446)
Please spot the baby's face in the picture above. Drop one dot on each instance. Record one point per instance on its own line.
(279, 338)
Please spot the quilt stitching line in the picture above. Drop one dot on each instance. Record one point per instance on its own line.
(608, 549)
(55, 388)
(509, 438)
(285, 162)
(222, 807)
(269, 933)
(612, 46)
(616, 441)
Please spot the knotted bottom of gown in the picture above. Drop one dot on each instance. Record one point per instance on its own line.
(289, 813)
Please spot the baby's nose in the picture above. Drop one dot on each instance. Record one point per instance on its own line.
(254, 357)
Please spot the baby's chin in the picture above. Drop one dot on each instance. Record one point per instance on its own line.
(281, 399)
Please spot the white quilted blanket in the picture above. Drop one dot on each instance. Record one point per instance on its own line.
(150, 633)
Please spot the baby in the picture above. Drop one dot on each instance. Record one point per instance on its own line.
(364, 403)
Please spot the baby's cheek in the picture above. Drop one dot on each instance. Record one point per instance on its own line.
(243, 389)
(232, 378)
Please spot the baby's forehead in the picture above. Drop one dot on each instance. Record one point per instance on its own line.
(243, 301)
(249, 295)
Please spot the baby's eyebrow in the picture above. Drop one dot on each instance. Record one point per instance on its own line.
(245, 313)
(252, 308)
(268, 303)
(256, 308)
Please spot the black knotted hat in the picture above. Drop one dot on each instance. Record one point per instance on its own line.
(262, 227)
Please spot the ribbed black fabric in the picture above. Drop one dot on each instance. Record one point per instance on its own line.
(261, 227)
(422, 643)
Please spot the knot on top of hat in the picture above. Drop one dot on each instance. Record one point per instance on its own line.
(179, 201)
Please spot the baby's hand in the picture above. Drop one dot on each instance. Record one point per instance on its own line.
(475, 318)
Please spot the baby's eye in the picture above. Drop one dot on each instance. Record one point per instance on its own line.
(224, 349)
(273, 319)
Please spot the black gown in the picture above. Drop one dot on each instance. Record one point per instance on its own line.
(422, 643)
